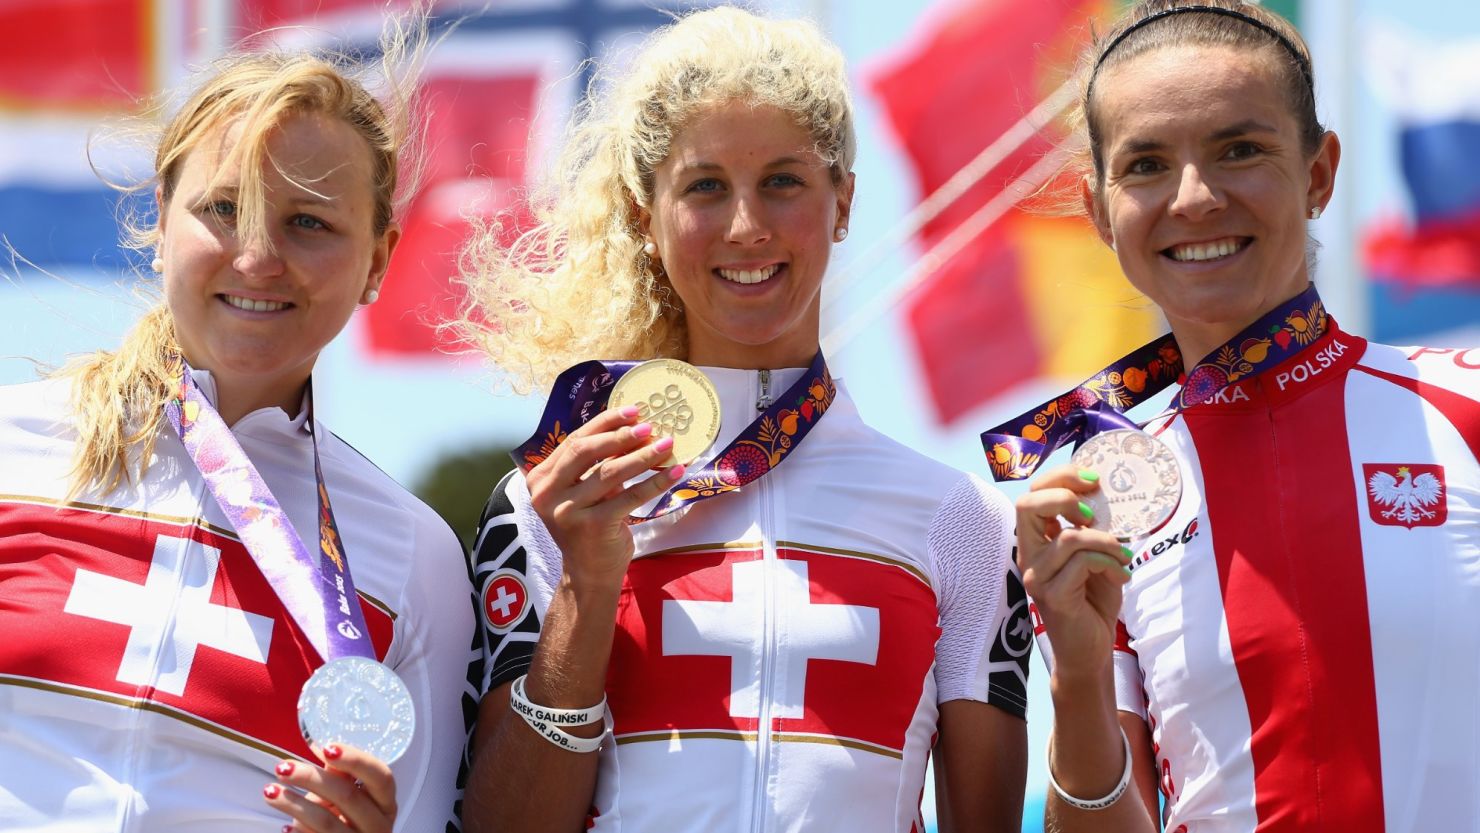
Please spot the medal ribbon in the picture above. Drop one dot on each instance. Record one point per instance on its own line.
(582, 391)
(1017, 447)
(318, 593)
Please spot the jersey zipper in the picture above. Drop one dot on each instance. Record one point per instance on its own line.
(760, 815)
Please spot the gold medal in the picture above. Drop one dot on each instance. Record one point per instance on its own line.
(677, 399)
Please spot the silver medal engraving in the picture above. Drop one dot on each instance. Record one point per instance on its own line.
(1140, 482)
(360, 702)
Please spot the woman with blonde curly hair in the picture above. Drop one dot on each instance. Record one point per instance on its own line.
(812, 610)
(161, 611)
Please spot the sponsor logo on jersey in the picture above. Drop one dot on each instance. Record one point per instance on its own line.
(162, 616)
(821, 644)
(505, 600)
(1176, 539)
(1408, 495)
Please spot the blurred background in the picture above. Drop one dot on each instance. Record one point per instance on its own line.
(952, 306)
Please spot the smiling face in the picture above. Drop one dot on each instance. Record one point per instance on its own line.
(744, 214)
(1206, 187)
(257, 316)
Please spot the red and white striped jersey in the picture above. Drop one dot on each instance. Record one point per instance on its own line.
(149, 675)
(781, 650)
(1304, 636)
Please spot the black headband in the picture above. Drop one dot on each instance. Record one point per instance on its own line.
(1300, 60)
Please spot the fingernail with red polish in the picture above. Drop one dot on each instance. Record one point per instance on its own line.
(333, 752)
(642, 429)
(288, 828)
(284, 768)
(629, 412)
(676, 472)
(272, 791)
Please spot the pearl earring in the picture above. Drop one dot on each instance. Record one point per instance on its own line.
(650, 248)
(372, 296)
(1315, 213)
(841, 234)
(157, 265)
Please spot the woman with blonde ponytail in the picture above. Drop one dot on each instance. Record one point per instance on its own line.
(162, 612)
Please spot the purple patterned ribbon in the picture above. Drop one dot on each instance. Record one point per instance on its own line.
(1016, 448)
(318, 593)
(582, 391)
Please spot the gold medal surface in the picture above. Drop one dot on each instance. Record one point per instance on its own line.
(679, 401)
(1140, 482)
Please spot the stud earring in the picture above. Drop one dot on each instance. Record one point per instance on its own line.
(1315, 213)
(372, 296)
(841, 234)
(157, 265)
(650, 248)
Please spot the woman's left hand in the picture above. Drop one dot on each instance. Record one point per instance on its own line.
(354, 790)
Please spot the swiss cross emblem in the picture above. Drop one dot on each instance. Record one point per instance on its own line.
(505, 599)
(1408, 494)
(717, 644)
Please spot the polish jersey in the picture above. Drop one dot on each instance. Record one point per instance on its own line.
(1304, 636)
(781, 650)
(148, 673)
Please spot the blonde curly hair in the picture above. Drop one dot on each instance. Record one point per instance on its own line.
(118, 396)
(578, 286)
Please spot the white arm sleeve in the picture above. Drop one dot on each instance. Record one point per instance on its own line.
(985, 634)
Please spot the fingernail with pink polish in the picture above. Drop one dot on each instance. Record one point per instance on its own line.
(676, 472)
(642, 430)
(629, 411)
(663, 444)
(272, 791)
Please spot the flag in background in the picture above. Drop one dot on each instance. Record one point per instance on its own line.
(1035, 295)
(63, 69)
(1425, 267)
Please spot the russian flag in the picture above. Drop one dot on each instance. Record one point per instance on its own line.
(1425, 268)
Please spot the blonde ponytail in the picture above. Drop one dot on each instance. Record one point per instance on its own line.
(118, 403)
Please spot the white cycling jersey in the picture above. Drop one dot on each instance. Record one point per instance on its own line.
(149, 675)
(1304, 636)
(781, 650)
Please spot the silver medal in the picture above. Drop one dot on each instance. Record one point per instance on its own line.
(360, 702)
(1140, 482)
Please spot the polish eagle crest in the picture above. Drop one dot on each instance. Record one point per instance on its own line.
(1407, 497)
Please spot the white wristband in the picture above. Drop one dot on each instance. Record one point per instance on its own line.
(1098, 803)
(548, 721)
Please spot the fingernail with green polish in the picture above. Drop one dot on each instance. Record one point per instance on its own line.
(1088, 513)
(1088, 476)
(1129, 553)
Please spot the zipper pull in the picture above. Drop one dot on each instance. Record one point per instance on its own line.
(764, 401)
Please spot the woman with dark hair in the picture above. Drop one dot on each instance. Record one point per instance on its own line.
(1296, 648)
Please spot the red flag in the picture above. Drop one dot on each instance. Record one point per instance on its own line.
(80, 54)
(986, 320)
(476, 152)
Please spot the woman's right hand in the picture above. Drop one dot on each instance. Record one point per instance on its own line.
(1073, 574)
(580, 492)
